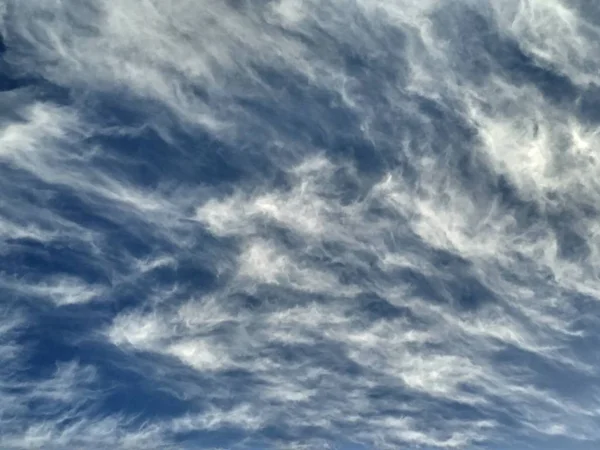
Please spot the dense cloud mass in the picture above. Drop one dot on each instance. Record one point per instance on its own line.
(299, 224)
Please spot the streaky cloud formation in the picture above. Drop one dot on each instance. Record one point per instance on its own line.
(290, 224)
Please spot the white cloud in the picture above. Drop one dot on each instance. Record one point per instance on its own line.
(555, 32)
(421, 277)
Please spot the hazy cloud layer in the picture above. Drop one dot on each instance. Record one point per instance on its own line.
(299, 224)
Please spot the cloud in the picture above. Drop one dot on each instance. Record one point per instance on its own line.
(291, 224)
(56, 410)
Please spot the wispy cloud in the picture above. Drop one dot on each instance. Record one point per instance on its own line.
(299, 224)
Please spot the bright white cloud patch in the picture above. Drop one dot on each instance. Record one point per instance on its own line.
(299, 224)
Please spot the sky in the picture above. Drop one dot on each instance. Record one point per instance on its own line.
(298, 225)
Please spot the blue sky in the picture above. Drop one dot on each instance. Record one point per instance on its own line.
(289, 224)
